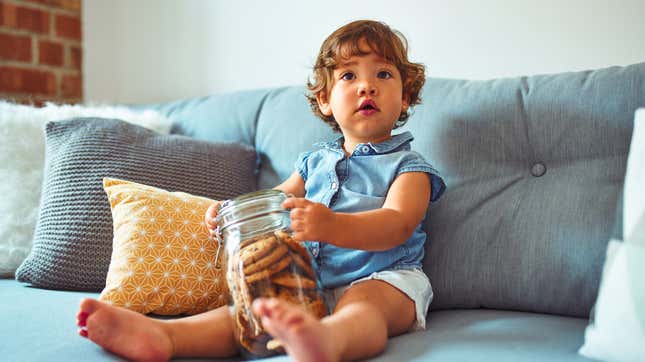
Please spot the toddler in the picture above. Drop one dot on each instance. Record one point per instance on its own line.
(358, 206)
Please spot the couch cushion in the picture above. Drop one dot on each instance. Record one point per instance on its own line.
(230, 117)
(534, 168)
(490, 336)
(286, 127)
(73, 237)
(34, 333)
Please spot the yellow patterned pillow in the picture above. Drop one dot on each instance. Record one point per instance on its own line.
(163, 258)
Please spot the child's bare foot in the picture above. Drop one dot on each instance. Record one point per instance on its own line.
(303, 336)
(123, 332)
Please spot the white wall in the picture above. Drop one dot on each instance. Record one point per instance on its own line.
(159, 50)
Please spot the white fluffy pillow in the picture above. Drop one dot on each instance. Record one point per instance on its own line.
(617, 328)
(617, 332)
(634, 204)
(22, 147)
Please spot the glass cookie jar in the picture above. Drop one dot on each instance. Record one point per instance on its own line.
(263, 260)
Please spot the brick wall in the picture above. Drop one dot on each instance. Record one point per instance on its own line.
(41, 51)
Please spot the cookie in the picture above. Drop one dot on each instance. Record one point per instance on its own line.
(290, 280)
(257, 250)
(268, 272)
(286, 238)
(311, 302)
(241, 295)
(295, 246)
(255, 344)
(316, 307)
(249, 241)
(274, 344)
(274, 255)
(304, 266)
(290, 295)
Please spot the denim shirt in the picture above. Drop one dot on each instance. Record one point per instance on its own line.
(357, 183)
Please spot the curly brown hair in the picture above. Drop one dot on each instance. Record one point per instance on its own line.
(344, 43)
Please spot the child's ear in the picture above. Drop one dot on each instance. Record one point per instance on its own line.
(405, 104)
(323, 103)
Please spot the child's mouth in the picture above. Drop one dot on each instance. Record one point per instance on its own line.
(367, 107)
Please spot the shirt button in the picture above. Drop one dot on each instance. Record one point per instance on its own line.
(315, 252)
(334, 185)
(538, 169)
(365, 149)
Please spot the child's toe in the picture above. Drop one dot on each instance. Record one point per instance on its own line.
(89, 305)
(81, 319)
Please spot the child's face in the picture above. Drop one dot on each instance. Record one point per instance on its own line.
(366, 98)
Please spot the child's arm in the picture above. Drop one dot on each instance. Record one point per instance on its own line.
(375, 230)
(294, 185)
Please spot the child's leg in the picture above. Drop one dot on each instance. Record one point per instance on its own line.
(365, 316)
(137, 337)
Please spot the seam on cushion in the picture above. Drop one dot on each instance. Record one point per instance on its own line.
(256, 119)
(522, 94)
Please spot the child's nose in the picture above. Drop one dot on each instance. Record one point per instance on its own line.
(366, 88)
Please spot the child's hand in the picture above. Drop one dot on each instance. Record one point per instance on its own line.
(310, 220)
(211, 214)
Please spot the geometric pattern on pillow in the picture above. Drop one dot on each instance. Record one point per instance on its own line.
(73, 238)
(163, 257)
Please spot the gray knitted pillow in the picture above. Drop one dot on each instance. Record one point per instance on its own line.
(73, 238)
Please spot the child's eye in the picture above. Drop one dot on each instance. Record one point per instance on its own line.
(384, 74)
(347, 76)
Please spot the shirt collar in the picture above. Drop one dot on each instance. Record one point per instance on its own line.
(397, 141)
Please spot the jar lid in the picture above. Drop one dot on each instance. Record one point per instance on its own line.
(249, 206)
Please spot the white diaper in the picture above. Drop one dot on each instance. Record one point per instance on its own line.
(413, 282)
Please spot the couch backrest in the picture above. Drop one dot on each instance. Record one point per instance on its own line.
(534, 168)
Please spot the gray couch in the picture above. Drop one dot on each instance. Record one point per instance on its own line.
(534, 168)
